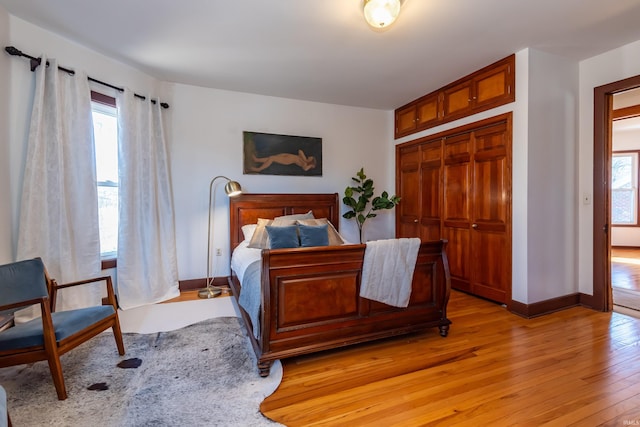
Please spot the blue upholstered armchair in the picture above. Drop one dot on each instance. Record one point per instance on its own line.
(26, 283)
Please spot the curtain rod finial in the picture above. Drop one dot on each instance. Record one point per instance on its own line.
(13, 51)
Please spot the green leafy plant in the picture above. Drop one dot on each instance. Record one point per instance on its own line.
(361, 210)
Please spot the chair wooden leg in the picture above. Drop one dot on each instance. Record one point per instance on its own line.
(117, 333)
(56, 373)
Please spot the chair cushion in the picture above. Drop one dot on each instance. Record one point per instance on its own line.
(65, 323)
(22, 281)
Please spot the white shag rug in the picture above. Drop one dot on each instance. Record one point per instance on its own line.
(204, 374)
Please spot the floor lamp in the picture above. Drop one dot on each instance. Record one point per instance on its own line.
(232, 188)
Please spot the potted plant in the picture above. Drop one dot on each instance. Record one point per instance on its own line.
(361, 210)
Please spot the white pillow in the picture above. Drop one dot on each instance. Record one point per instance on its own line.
(308, 215)
(248, 230)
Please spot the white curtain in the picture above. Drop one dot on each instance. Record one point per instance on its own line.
(147, 264)
(59, 206)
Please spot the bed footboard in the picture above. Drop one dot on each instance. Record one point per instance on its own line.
(311, 302)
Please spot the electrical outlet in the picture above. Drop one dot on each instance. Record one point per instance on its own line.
(218, 252)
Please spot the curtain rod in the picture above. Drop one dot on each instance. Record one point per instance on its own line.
(35, 62)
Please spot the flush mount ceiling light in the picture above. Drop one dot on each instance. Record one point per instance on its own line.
(381, 13)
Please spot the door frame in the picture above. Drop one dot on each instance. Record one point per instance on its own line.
(602, 153)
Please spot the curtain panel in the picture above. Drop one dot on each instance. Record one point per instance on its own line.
(147, 264)
(59, 205)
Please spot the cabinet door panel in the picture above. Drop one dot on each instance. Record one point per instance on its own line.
(457, 100)
(456, 192)
(493, 87)
(458, 252)
(430, 212)
(456, 179)
(405, 120)
(491, 266)
(408, 189)
(491, 183)
(428, 111)
(430, 189)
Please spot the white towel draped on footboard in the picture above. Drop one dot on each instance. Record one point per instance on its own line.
(387, 270)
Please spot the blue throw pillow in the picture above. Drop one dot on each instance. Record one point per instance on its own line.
(283, 237)
(313, 235)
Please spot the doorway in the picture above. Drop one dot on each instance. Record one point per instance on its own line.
(625, 222)
(603, 149)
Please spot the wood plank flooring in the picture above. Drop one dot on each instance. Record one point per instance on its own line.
(574, 367)
(625, 268)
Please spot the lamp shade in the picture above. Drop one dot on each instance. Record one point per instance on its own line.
(381, 13)
(232, 188)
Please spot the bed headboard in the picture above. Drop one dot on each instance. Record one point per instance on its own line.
(247, 208)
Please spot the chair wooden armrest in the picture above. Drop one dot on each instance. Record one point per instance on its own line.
(20, 304)
(111, 296)
(83, 282)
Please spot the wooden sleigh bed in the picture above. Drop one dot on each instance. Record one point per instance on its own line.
(310, 296)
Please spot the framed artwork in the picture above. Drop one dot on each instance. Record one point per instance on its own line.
(271, 154)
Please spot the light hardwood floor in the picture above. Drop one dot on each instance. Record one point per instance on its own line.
(625, 268)
(574, 367)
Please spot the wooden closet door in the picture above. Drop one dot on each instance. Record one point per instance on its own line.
(462, 180)
(430, 189)
(408, 189)
(491, 214)
(456, 215)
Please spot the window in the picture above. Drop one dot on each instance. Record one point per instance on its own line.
(105, 129)
(624, 189)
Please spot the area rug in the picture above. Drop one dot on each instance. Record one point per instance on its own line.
(200, 375)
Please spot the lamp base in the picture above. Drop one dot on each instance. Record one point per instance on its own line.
(209, 292)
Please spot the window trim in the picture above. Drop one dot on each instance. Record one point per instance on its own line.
(637, 187)
(101, 98)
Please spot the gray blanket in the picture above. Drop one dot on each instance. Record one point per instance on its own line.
(250, 295)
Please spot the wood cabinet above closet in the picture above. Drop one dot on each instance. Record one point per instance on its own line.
(487, 88)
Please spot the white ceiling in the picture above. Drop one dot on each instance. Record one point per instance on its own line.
(322, 50)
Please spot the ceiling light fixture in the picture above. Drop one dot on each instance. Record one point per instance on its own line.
(381, 13)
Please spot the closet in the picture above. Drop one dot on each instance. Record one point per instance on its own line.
(456, 185)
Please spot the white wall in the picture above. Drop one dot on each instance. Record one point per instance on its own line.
(552, 199)
(607, 68)
(6, 254)
(207, 141)
(204, 129)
